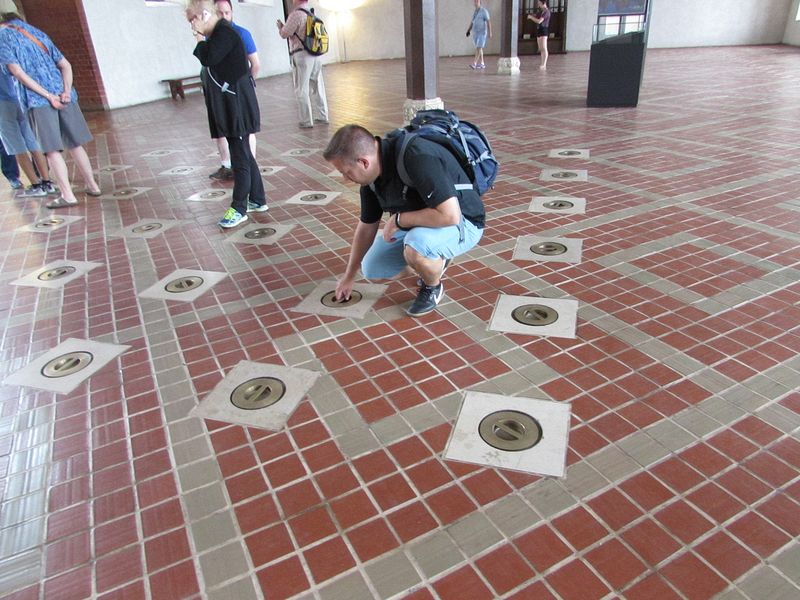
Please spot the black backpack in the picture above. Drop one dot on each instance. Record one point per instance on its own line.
(463, 139)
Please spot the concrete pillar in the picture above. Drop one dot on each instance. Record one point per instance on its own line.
(508, 63)
(422, 57)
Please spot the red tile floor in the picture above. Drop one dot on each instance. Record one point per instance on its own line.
(683, 476)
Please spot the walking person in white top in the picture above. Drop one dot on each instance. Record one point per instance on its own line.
(309, 88)
(479, 27)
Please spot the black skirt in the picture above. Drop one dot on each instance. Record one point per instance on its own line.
(232, 108)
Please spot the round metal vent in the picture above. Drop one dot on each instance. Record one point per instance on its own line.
(267, 170)
(147, 227)
(564, 174)
(313, 197)
(183, 284)
(330, 300)
(213, 194)
(548, 248)
(125, 192)
(56, 273)
(67, 364)
(299, 152)
(558, 204)
(178, 170)
(535, 315)
(569, 153)
(49, 223)
(258, 393)
(510, 430)
(260, 233)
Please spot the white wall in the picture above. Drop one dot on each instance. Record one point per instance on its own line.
(383, 37)
(792, 33)
(690, 23)
(137, 45)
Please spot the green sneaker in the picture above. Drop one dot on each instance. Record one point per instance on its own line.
(232, 218)
(253, 207)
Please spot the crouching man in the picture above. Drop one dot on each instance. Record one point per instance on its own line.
(435, 218)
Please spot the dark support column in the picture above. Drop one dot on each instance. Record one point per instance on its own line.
(508, 63)
(422, 56)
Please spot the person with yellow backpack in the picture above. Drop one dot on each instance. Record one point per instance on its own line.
(308, 41)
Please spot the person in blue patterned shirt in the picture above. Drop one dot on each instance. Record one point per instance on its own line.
(52, 102)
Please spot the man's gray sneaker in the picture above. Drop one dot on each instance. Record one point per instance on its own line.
(32, 191)
(427, 300)
(49, 187)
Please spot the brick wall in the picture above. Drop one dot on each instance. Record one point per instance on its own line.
(65, 22)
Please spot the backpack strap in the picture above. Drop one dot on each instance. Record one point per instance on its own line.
(403, 172)
(310, 13)
(30, 36)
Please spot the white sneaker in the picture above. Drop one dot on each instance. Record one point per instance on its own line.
(231, 218)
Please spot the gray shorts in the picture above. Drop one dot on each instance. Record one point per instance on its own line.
(58, 130)
(15, 131)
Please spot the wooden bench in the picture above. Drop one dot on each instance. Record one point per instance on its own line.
(178, 86)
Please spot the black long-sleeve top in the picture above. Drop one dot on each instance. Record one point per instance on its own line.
(223, 52)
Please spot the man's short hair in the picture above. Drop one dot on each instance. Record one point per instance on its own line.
(349, 143)
(228, 2)
(196, 7)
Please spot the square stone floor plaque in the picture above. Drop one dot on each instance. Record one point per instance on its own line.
(318, 198)
(66, 366)
(160, 152)
(111, 169)
(124, 193)
(51, 223)
(523, 434)
(321, 301)
(569, 153)
(183, 285)
(531, 315)
(545, 249)
(261, 233)
(270, 170)
(564, 175)
(145, 228)
(563, 205)
(257, 395)
(56, 275)
(183, 170)
(210, 195)
(299, 152)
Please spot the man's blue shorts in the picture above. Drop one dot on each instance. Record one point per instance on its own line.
(479, 40)
(385, 260)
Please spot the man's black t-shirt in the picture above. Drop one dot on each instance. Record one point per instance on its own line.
(434, 171)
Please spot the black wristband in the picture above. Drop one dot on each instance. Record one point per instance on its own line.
(397, 222)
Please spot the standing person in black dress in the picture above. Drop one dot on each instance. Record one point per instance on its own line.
(231, 103)
(542, 20)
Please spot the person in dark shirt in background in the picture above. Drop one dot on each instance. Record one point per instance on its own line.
(542, 19)
(225, 10)
(231, 103)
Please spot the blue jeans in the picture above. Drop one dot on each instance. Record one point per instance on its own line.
(385, 260)
(10, 167)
